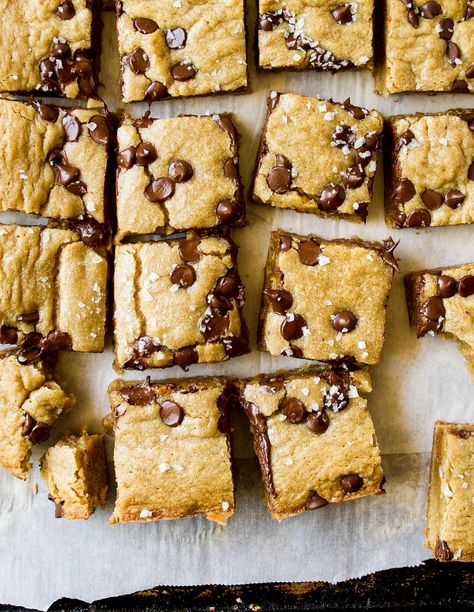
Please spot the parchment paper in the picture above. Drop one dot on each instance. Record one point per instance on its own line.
(417, 381)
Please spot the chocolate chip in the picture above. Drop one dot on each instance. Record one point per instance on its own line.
(189, 250)
(292, 327)
(72, 127)
(46, 68)
(78, 188)
(332, 196)
(355, 111)
(56, 340)
(309, 252)
(155, 91)
(350, 483)
(184, 71)
(31, 340)
(442, 551)
(180, 171)
(144, 25)
(281, 160)
(336, 397)
(285, 243)
(454, 198)
(160, 189)
(186, 356)
(413, 18)
(469, 12)
(99, 130)
(454, 53)
(28, 356)
(223, 424)
(39, 434)
(316, 501)
(445, 28)
(60, 50)
(406, 138)
(293, 409)
(235, 346)
(464, 434)
(418, 218)
(447, 286)
(353, 177)
(429, 10)
(269, 21)
(342, 136)
(342, 14)
(279, 179)
(65, 174)
(280, 299)
(127, 157)
(91, 232)
(183, 275)
(28, 425)
(66, 10)
(433, 308)
(404, 190)
(171, 413)
(138, 61)
(231, 170)
(213, 326)
(387, 253)
(226, 124)
(139, 394)
(432, 199)
(460, 85)
(400, 218)
(317, 422)
(219, 302)
(145, 154)
(470, 172)
(30, 318)
(466, 286)
(228, 210)
(46, 112)
(362, 210)
(8, 335)
(344, 321)
(176, 38)
(470, 71)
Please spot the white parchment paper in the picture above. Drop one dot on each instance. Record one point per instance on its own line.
(417, 381)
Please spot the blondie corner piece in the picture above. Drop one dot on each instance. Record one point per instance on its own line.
(427, 47)
(441, 301)
(326, 299)
(450, 516)
(50, 47)
(304, 34)
(178, 174)
(30, 403)
(181, 48)
(54, 164)
(53, 292)
(178, 302)
(317, 156)
(429, 169)
(75, 469)
(313, 437)
(172, 451)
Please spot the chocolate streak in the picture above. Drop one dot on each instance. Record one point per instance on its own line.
(262, 445)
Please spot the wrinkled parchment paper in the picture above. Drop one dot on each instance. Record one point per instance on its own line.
(417, 381)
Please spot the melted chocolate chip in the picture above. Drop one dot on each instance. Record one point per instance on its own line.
(65, 174)
(466, 286)
(258, 426)
(213, 326)
(418, 218)
(30, 318)
(316, 501)
(432, 199)
(29, 355)
(292, 327)
(72, 127)
(235, 346)
(145, 346)
(442, 551)
(454, 198)
(469, 12)
(285, 243)
(269, 21)
(280, 299)
(350, 483)
(342, 14)
(433, 308)
(184, 71)
(387, 254)
(317, 422)
(353, 177)
(66, 10)
(279, 179)
(56, 340)
(231, 169)
(454, 53)
(293, 409)
(171, 413)
(447, 286)
(186, 356)
(309, 252)
(412, 17)
(138, 61)
(470, 71)
(155, 91)
(460, 85)
(430, 9)
(144, 25)
(8, 335)
(470, 172)
(60, 50)
(344, 321)
(332, 196)
(445, 29)
(189, 250)
(140, 394)
(342, 136)
(46, 112)
(180, 171)
(406, 138)
(355, 111)
(99, 130)
(127, 157)
(78, 188)
(404, 190)
(362, 210)
(160, 189)
(40, 433)
(176, 38)
(336, 397)
(145, 154)
(91, 232)
(183, 275)
(228, 210)
(281, 160)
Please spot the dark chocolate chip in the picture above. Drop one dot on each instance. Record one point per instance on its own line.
(91, 232)
(31, 340)
(145, 154)
(281, 160)
(127, 157)
(180, 171)
(269, 21)
(433, 308)
(8, 335)
(145, 346)
(447, 286)
(186, 356)
(432, 199)
(72, 127)
(138, 61)
(139, 394)
(292, 327)
(176, 38)
(470, 172)
(336, 397)
(65, 174)
(342, 136)
(332, 196)
(466, 286)
(160, 189)
(454, 198)
(418, 218)
(445, 28)
(293, 409)
(317, 422)
(285, 243)
(460, 85)
(78, 188)
(316, 501)
(226, 124)
(442, 551)
(99, 130)
(30, 318)
(470, 71)
(213, 326)
(28, 425)
(353, 177)
(355, 111)
(350, 483)
(469, 12)
(189, 250)
(412, 17)
(46, 112)
(280, 299)
(454, 53)
(406, 138)
(183, 275)
(66, 10)
(46, 68)
(344, 321)
(228, 210)
(400, 218)
(56, 340)
(184, 71)
(219, 302)
(231, 170)
(309, 252)
(404, 190)
(430, 9)
(155, 91)
(230, 286)
(279, 179)
(362, 210)
(60, 50)
(40, 433)
(235, 346)
(387, 254)
(27, 356)
(171, 413)
(342, 14)
(144, 25)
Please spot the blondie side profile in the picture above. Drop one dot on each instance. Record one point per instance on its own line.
(172, 451)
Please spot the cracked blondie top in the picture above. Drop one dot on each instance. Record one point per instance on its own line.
(172, 451)
(313, 436)
(178, 302)
(441, 301)
(53, 291)
(428, 46)
(317, 156)
(54, 162)
(450, 516)
(317, 34)
(429, 170)
(325, 299)
(181, 48)
(75, 470)
(30, 403)
(178, 174)
(49, 47)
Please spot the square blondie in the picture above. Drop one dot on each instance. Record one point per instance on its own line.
(178, 302)
(178, 174)
(53, 292)
(180, 48)
(317, 34)
(50, 47)
(317, 156)
(450, 519)
(172, 451)
(429, 169)
(325, 299)
(427, 47)
(313, 436)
